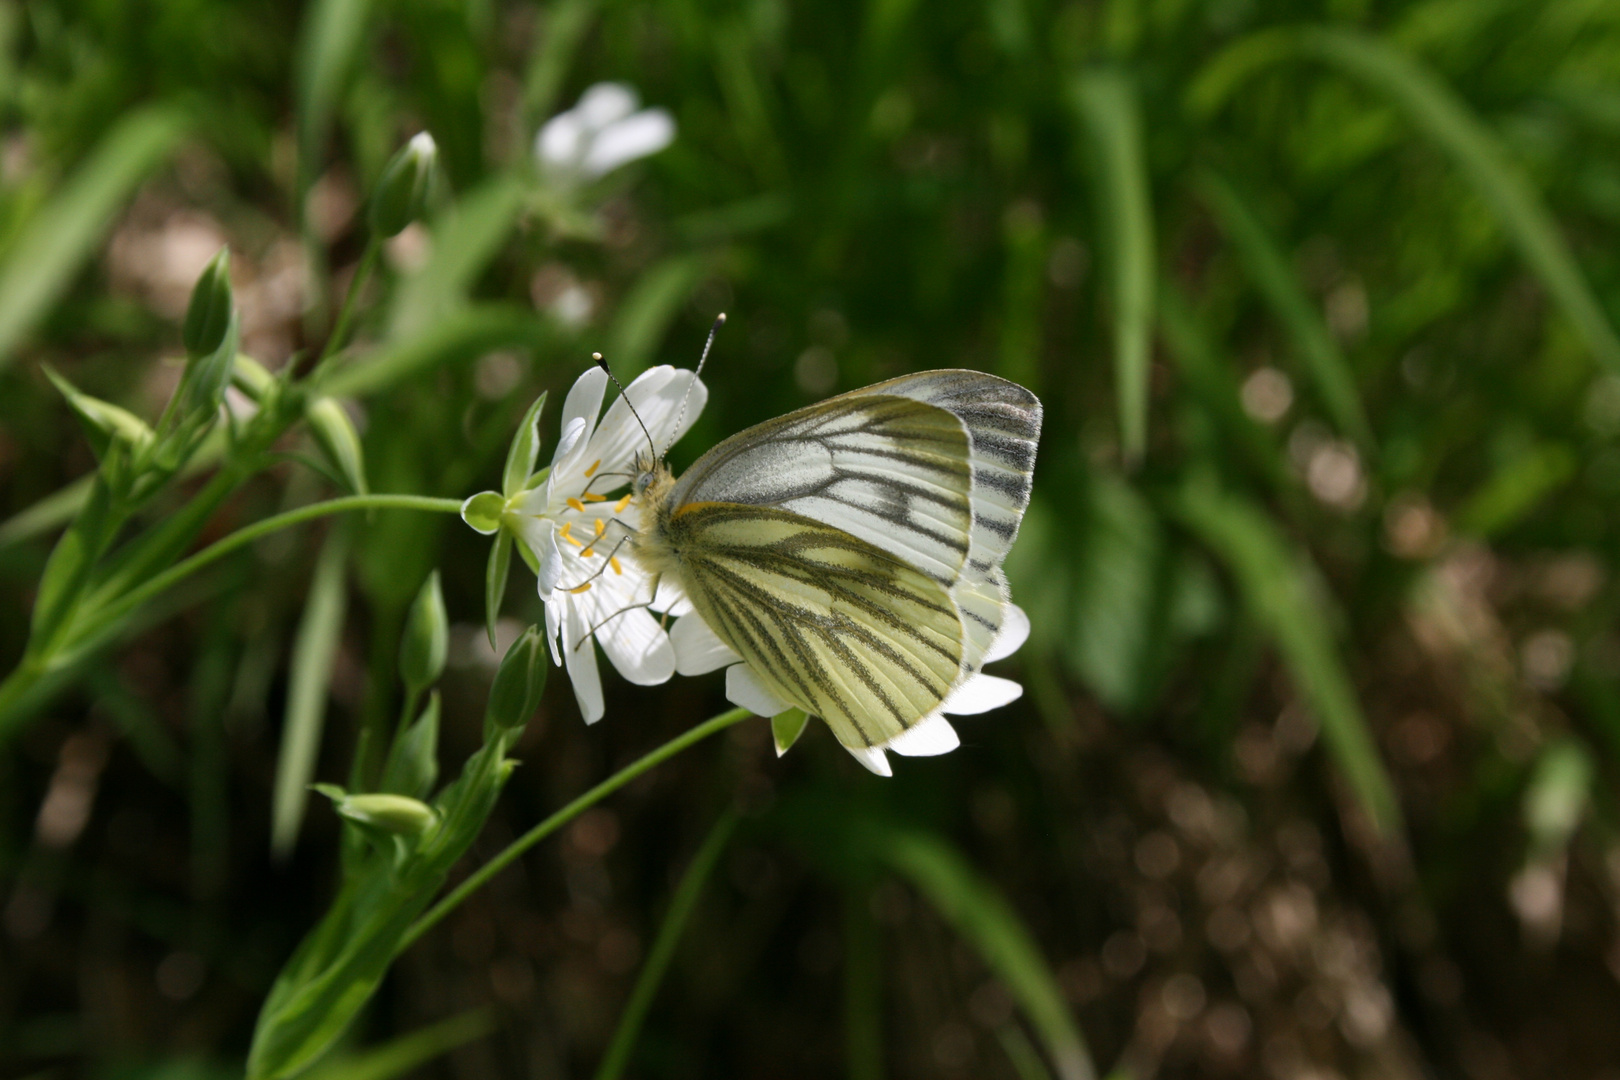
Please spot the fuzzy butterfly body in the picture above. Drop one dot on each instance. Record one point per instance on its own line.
(849, 554)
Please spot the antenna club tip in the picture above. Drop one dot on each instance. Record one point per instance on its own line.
(720, 318)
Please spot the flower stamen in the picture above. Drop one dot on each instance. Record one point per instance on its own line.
(590, 472)
(577, 589)
(613, 561)
(619, 506)
(575, 504)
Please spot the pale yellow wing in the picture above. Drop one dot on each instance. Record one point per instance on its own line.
(826, 620)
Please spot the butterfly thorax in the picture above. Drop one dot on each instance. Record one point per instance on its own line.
(652, 546)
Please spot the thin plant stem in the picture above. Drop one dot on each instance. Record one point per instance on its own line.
(663, 949)
(109, 615)
(340, 330)
(478, 877)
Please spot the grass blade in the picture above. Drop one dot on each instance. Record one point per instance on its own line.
(1276, 582)
(1107, 104)
(1270, 272)
(52, 246)
(314, 650)
(983, 916)
(663, 949)
(1446, 119)
(465, 238)
(565, 27)
(461, 336)
(329, 39)
(647, 312)
(398, 1057)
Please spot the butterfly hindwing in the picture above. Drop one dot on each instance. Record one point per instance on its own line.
(855, 635)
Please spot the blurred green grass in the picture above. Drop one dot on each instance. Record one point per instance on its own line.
(1319, 298)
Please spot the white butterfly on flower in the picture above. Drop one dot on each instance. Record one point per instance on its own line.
(593, 591)
(846, 558)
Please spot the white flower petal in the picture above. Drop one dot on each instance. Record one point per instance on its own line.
(981, 693)
(930, 736)
(605, 103)
(1014, 632)
(698, 650)
(554, 620)
(551, 559)
(659, 395)
(671, 599)
(743, 688)
(632, 138)
(561, 142)
(638, 647)
(584, 400)
(872, 757)
(579, 655)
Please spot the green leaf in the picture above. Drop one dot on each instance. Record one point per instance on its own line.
(524, 452)
(333, 430)
(681, 904)
(1445, 118)
(1271, 273)
(1280, 588)
(466, 236)
(982, 916)
(402, 1055)
(1516, 489)
(1106, 101)
(455, 338)
(54, 243)
(328, 41)
(308, 682)
(413, 760)
(101, 421)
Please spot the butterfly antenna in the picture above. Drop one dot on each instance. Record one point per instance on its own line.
(719, 321)
(601, 363)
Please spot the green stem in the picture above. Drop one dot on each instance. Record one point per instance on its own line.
(663, 950)
(107, 616)
(340, 330)
(478, 877)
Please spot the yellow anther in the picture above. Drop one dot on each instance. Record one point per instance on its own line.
(577, 589)
(591, 496)
(613, 561)
(575, 504)
(601, 526)
(619, 506)
(588, 552)
(568, 527)
(590, 472)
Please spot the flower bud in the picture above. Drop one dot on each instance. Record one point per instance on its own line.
(518, 685)
(402, 190)
(398, 814)
(208, 317)
(250, 377)
(339, 441)
(413, 765)
(427, 636)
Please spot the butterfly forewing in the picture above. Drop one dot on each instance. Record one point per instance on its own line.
(852, 633)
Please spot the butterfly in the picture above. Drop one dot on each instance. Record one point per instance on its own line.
(849, 556)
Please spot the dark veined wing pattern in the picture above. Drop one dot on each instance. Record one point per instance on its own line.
(932, 470)
(845, 629)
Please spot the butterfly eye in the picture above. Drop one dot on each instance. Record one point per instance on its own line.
(641, 483)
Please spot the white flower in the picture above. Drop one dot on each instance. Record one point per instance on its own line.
(698, 650)
(579, 530)
(601, 133)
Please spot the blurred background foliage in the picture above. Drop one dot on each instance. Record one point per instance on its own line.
(1311, 777)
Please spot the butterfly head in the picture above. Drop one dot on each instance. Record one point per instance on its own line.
(653, 480)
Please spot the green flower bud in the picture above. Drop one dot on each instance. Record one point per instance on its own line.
(402, 190)
(208, 317)
(518, 684)
(427, 636)
(250, 377)
(483, 511)
(398, 814)
(334, 431)
(413, 765)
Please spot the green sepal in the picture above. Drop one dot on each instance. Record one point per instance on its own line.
(482, 512)
(102, 421)
(495, 574)
(524, 452)
(787, 727)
